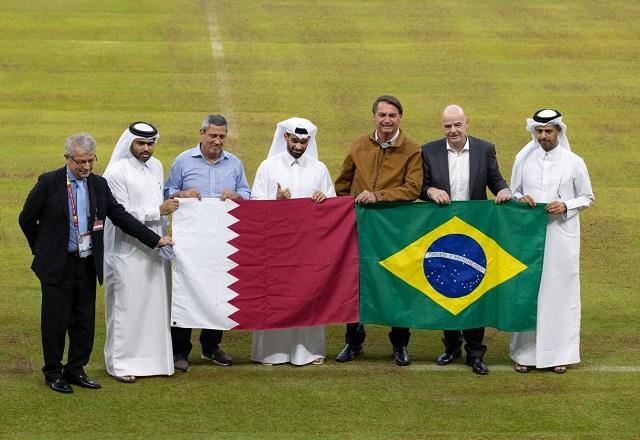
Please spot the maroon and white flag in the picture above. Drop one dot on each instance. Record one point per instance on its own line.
(264, 264)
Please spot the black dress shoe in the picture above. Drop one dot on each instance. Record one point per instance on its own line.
(218, 357)
(446, 358)
(478, 366)
(60, 385)
(349, 352)
(401, 356)
(83, 381)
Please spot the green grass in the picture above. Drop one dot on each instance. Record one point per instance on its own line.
(69, 66)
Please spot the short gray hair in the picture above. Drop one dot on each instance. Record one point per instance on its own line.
(82, 141)
(217, 120)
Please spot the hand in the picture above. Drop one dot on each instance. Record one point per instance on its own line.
(318, 197)
(282, 194)
(168, 206)
(165, 241)
(189, 194)
(503, 196)
(366, 198)
(556, 207)
(229, 194)
(439, 196)
(528, 200)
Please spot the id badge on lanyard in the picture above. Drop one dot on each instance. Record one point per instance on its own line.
(84, 244)
(84, 239)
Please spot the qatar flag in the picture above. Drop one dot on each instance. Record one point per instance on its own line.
(264, 264)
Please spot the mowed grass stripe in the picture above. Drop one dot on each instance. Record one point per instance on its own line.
(222, 76)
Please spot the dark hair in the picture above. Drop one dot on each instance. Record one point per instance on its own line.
(217, 120)
(389, 100)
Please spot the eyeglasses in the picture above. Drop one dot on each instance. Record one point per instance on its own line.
(82, 163)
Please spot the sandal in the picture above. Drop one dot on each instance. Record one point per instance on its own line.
(560, 369)
(125, 379)
(521, 368)
(318, 361)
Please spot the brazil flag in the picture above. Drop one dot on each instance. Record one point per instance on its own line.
(466, 265)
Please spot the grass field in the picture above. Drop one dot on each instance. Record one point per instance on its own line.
(71, 65)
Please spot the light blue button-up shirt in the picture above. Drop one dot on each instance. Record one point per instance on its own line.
(73, 233)
(191, 170)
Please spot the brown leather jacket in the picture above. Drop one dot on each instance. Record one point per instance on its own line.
(393, 174)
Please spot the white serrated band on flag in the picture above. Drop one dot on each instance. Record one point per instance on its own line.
(200, 276)
(460, 258)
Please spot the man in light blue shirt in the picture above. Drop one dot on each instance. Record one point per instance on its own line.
(206, 170)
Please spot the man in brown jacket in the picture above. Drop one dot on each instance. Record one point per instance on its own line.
(383, 166)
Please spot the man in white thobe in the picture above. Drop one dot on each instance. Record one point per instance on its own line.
(292, 170)
(138, 337)
(546, 171)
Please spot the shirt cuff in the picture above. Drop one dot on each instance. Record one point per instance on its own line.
(152, 214)
(570, 204)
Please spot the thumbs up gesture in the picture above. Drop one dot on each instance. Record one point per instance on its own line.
(282, 193)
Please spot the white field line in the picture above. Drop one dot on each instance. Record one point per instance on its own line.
(357, 365)
(430, 368)
(222, 77)
(509, 368)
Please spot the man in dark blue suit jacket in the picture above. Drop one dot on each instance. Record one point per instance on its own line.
(63, 219)
(461, 167)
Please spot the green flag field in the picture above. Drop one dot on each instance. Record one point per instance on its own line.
(69, 66)
(481, 267)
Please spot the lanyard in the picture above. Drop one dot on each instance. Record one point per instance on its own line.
(74, 213)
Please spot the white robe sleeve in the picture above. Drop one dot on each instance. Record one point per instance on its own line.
(260, 189)
(117, 180)
(582, 196)
(516, 181)
(327, 183)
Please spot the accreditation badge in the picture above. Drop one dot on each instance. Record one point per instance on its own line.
(84, 244)
(98, 225)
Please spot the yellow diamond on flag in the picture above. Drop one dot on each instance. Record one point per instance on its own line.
(454, 265)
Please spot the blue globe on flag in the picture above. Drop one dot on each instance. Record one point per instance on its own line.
(454, 265)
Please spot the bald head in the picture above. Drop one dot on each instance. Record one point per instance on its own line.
(454, 124)
(453, 110)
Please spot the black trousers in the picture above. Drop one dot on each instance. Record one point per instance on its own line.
(474, 347)
(69, 307)
(399, 336)
(181, 340)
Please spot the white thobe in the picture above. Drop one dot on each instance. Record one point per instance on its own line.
(556, 175)
(302, 177)
(138, 334)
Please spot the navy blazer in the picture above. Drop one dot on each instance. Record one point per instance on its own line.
(45, 222)
(483, 168)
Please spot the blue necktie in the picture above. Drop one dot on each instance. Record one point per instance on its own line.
(82, 206)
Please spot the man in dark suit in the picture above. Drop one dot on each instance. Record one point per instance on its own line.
(460, 167)
(63, 219)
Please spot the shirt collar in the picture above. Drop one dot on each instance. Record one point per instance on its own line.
(72, 177)
(196, 152)
(138, 163)
(390, 142)
(289, 160)
(465, 147)
(553, 154)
